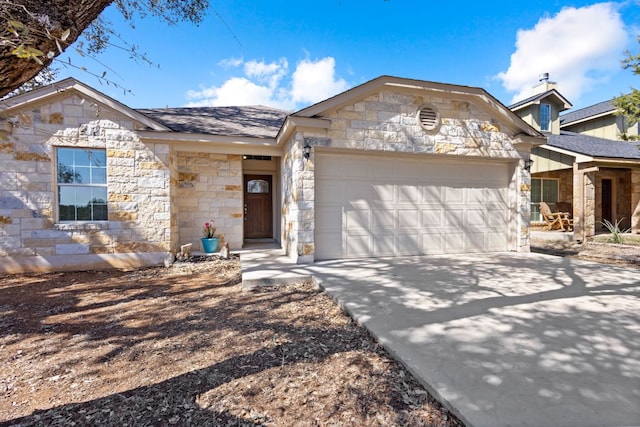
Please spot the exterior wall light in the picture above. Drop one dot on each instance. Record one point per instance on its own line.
(527, 165)
(306, 151)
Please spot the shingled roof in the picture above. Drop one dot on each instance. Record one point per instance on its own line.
(539, 97)
(584, 113)
(250, 121)
(594, 147)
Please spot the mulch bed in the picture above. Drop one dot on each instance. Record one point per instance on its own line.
(186, 346)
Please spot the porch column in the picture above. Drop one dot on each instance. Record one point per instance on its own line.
(635, 201)
(584, 202)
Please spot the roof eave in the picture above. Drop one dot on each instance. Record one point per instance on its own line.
(586, 119)
(214, 143)
(580, 158)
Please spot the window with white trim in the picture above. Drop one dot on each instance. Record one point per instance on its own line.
(82, 184)
(545, 117)
(543, 190)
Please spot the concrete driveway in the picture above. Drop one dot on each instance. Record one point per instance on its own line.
(505, 339)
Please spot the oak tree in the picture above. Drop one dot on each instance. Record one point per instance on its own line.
(629, 104)
(33, 33)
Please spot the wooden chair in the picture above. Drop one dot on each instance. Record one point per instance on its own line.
(555, 220)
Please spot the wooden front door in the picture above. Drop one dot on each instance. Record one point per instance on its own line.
(607, 200)
(258, 210)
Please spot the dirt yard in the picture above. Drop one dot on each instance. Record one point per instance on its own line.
(627, 255)
(185, 346)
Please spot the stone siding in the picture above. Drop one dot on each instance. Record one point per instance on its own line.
(635, 200)
(209, 187)
(138, 188)
(297, 202)
(386, 121)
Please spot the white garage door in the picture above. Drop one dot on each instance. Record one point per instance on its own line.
(372, 206)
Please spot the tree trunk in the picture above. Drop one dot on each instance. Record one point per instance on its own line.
(55, 15)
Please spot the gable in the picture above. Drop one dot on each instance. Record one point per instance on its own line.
(70, 103)
(387, 103)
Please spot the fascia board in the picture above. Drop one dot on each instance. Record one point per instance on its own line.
(214, 144)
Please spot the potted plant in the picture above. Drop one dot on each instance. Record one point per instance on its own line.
(209, 241)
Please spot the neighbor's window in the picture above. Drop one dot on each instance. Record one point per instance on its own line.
(542, 190)
(545, 117)
(82, 184)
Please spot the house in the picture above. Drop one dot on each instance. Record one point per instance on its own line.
(599, 120)
(392, 167)
(594, 178)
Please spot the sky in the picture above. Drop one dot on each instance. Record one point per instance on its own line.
(292, 54)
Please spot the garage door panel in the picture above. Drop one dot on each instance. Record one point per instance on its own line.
(383, 219)
(432, 194)
(476, 217)
(384, 246)
(453, 195)
(496, 195)
(357, 220)
(357, 246)
(432, 243)
(384, 192)
(453, 242)
(496, 240)
(475, 242)
(409, 218)
(432, 218)
(454, 218)
(409, 244)
(375, 206)
(408, 194)
(475, 195)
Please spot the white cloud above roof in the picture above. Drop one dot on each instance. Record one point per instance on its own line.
(271, 84)
(578, 47)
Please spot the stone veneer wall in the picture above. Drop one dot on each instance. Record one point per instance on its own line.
(386, 121)
(635, 200)
(297, 202)
(209, 187)
(138, 230)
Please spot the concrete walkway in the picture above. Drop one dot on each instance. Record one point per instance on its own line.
(502, 339)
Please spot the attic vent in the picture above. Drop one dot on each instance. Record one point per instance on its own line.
(428, 117)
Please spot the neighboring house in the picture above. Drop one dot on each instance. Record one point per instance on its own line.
(599, 120)
(596, 179)
(391, 167)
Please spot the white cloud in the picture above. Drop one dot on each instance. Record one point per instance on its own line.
(231, 62)
(269, 83)
(235, 91)
(579, 47)
(316, 81)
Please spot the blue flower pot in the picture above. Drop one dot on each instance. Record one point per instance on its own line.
(209, 244)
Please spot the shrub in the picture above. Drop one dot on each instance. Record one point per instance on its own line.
(614, 229)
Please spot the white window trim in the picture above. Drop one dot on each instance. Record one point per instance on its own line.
(71, 225)
(557, 180)
(549, 118)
